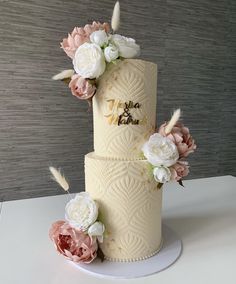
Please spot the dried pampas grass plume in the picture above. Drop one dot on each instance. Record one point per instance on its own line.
(65, 74)
(175, 117)
(59, 178)
(115, 20)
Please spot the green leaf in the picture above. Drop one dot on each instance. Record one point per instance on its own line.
(181, 182)
(159, 185)
(66, 80)
(115, 61)
(92, 81)
(100, 254)
(105, 45)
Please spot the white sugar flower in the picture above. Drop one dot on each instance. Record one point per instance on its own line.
(97, 229)
(99, 37)
(162, 174)
(111, 53)
(81, 211)
(160, 151)
(127, 47)
(89, 61)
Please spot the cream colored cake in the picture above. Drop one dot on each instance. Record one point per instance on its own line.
(130, 80)
(116, 174)
(129, 204)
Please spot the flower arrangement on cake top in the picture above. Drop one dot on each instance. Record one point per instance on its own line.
(167, 149)
(91, 49)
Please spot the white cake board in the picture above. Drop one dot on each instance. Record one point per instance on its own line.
(169, 253)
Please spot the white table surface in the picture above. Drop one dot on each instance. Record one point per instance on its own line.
(203, 214)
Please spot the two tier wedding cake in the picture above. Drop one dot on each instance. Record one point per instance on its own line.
(119, 214)
(116, 175)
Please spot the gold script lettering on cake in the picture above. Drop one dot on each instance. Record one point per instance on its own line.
(119, 113)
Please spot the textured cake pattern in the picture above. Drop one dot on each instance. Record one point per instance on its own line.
(129, 80)
(129, 204)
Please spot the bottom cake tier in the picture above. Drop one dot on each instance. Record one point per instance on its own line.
(129, 205)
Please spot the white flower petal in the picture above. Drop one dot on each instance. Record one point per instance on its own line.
(81, 211)
(111, 53)
(160, 151)
(127, 46)
(89, 61)
(100, 239)
(162, 174)
(96, 229)
(99, 37)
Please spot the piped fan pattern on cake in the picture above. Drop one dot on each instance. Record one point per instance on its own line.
(130, 206)
(130, 82)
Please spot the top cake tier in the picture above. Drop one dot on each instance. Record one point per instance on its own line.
(124, 109)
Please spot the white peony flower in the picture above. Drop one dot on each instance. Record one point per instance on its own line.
(162, 174)
(127, 46)
(89, 61)
(111, 53)
(81, 211)
(99, 37)
(97, 229)
(160, 151)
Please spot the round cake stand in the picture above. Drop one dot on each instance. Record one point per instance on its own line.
(169, 253)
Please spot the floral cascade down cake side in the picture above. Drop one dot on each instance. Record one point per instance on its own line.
(118, 217)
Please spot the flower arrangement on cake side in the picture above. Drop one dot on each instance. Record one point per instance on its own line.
(91, 49)
(167, 149)
(78, 236)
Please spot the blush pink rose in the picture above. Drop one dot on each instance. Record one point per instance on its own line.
(179, 170)
(181, 137)
(81, 87)
(81, 35)
(74, 244)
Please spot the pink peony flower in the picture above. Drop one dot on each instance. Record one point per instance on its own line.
(81, 35)
(179, 170)
(181, 137)
(81, 87)
(73, 243)
(95, 27)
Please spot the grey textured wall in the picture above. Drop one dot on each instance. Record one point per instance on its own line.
(41, 124)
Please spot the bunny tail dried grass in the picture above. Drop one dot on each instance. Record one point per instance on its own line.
(65, 74)
(115, 20)
(175, 117)
(59, 178)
